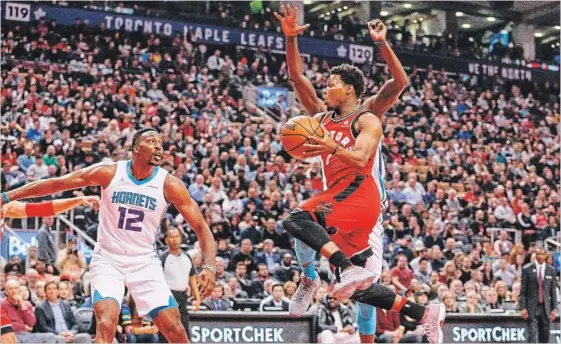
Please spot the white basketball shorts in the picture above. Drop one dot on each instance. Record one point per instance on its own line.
(374, 262)
(142, 275)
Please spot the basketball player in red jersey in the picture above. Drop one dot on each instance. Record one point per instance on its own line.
(338, 221)
(21, 210)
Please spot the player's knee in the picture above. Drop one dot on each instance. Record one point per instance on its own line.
(175, 332)
(107, 324)
(295, 222)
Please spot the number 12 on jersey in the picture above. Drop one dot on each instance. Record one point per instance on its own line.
(134, 216)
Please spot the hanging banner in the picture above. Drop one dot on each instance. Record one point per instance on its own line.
(210, 34)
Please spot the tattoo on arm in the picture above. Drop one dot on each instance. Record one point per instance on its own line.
(389, 91)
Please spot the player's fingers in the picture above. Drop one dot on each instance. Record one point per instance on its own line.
(310, 146)
(87, 203)
(283, 10)
(289, 9)
(207, 289)
(278, 16)
(296, 12)
(314, 139)
(302, 28)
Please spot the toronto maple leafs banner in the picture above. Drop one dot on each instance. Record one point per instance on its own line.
(211, 34)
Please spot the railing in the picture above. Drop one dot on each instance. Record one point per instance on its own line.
(494, 230)
(555, 241)
(81, 233)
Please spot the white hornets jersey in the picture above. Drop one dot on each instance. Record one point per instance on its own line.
(379, 174)
(131, 211)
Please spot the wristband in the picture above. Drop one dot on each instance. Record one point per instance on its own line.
(335, 150)
(210, 267)
(40, 209)
(379, 43)
(5, 197)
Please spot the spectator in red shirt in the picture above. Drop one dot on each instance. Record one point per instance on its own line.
(22, 317)
(402, 275)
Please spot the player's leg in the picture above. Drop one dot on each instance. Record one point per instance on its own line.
(308, 223)
(9, 337)
(7, 334)
(107, 318)
(309, 281)
(431, 317)
(169, 323)
(108, 289)
(148, 287)
(366, 315)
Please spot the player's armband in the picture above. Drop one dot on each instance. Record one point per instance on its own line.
(40, 209)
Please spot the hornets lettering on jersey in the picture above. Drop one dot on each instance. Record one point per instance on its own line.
(134, 199)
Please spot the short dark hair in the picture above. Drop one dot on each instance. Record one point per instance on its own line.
(49, 283)
(139, 134)
(350, 75)
(277, 285)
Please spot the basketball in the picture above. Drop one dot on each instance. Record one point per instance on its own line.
(295, 133)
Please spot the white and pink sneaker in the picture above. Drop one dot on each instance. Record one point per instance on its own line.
(353, 279)
(432, 322)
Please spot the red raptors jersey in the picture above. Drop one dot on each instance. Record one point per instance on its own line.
(344, 135)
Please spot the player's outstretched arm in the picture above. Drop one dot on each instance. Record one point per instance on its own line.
(21, 210)
(176, 193)
(303, 88)
(390, 91)
(100, 174)
(370, 133)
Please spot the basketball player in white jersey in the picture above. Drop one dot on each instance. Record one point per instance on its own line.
(135, 195)
(378, 105)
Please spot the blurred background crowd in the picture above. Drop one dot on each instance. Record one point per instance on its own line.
(473, 166)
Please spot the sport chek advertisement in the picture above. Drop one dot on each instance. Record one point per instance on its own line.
(491, 328)
(251, 327)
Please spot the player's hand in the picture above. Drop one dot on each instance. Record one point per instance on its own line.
(319, 146)
(378, 30)
(206, 282)
(552, 316)
(196, 305)
(524, 314)
(90, 201)
(289, 25)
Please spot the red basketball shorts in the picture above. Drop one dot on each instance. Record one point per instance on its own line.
(349, 211)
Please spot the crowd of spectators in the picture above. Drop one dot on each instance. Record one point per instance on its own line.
(406, 35)
(464, 155)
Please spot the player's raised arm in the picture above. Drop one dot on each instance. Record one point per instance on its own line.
(370, 133)
(99, 174)
(303, 88)
(176, 193)
(390, 91)
(21, 210)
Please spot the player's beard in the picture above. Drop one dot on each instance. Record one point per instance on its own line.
(335, 110)
(154, 162)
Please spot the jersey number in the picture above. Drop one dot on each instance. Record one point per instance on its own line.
(134, 217)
